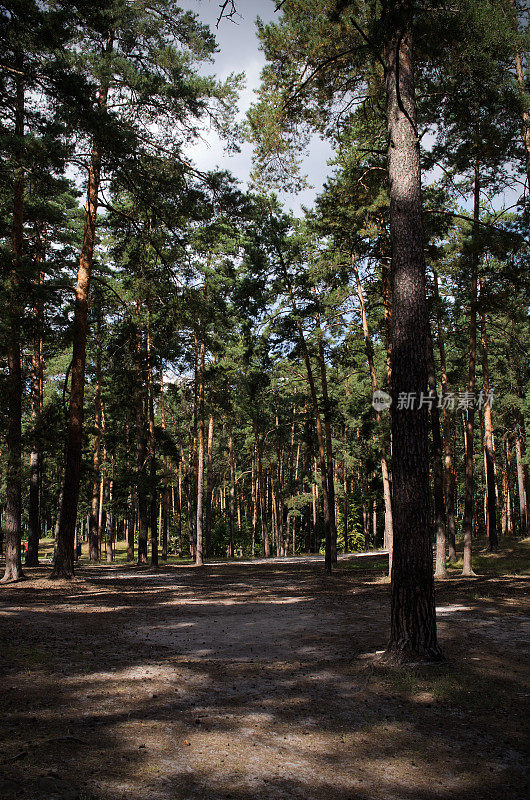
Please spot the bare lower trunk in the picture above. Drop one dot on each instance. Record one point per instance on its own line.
(413, 617)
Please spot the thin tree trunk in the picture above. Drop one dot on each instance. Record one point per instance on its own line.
(437, 464)
(522, 85)
(329, 445)
(35, 462)
(449, 483)
(491, 483)
(387, 493)
(200, 464)
(153, 521)
(64, 557)
(93, 546)
(141, 444)
(209, 489)
(523, 507)
(231, 502)
(413, 615)
(13, 520)
(467, 524)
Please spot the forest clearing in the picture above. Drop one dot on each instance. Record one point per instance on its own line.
(261, 681)
(264, 399)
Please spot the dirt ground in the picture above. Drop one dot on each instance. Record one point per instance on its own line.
(237, 682)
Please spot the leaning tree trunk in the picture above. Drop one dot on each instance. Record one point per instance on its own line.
(64, 557)
(413, 614)
(13, 521)
(467, 524)
(491, 483)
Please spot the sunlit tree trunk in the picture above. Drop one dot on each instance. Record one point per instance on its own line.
(64, 557)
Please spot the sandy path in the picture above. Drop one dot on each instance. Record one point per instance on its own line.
(257, 681)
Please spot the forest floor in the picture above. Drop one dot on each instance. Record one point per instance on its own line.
(262, 681)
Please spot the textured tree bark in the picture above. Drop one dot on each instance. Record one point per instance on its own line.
(35, 461)
(489, 453)
(64, 557)
(437, 465)
(467, 524)
(449, 484)
(413, 616)
(13, 521)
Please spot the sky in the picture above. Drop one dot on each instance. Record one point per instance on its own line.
(239, 52)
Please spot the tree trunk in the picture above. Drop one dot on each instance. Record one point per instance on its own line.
(449, 484)
(141, 444)
(93, 546)
(329, 445)
(200, 463)
(522, 85)
(467, 524)
(413, 615)
(231, 502)
(387, 493)
(64, 557)
(35, 462)
(109, 520)
(523, 507)
(437, 464)
(491, 483)
(13, 523)
(153, 521)
(209, 489)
